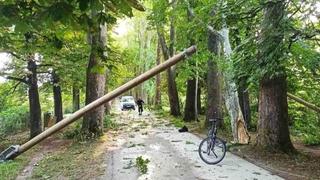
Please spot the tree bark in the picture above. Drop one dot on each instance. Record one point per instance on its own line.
(189, 110)
(273, 130)
(214, 96)
(191, 105)
(57, 98)
(171, 74)
(75, 99)
(238, 125)
(95, 83)
(158, 77)
(108, 104)
(34, 100)
(244, 102)
(199, 100)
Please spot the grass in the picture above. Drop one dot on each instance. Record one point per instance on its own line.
(11, 169)
(79, 160)
(142, 164)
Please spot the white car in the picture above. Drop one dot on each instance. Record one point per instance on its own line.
(127, 102)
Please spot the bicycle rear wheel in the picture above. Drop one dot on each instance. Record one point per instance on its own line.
(212, 152)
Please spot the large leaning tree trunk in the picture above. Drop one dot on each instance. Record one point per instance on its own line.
(238, 125)
(95, 82)
(214, 96)
(75, 98)
(158, 78)
(273, 130)
(57, 98)
(34, 100)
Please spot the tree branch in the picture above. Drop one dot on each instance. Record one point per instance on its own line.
(209, 28)
(23, 80)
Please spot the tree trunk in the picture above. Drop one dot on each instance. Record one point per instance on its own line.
(95, 85)
(57, 98)
(191, 105)
(172, 87)
(189, 110)
(158, 78)
(244, 102)
(199, 100)
(34, 100)
(75, 99)
(214, 97)
(243, 93)
(108, 104)
(273, 130)
(238, 125)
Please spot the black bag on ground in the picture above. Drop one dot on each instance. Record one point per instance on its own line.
(183, 129)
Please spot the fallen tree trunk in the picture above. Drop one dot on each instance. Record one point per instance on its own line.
(303, 102)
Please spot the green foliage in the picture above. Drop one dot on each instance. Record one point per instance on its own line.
(142, 164)
(74, 132)
(14, 119)
(177, 122)
(11, 169)
(109, 123)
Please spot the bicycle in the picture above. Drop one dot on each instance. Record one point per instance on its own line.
(212, 149)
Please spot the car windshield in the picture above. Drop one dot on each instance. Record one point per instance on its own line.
(127, 99)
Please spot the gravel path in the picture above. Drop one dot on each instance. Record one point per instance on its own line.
(172, 155)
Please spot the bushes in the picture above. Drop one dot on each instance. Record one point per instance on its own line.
(14, 119)
(305, 124)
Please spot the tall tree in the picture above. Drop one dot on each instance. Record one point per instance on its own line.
(75, 98)
(57, 97)
(158, 77)
(190, 110)
(214, 96)
(96, 79)
(273, 131)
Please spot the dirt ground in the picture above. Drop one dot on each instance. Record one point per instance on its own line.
(305, 164)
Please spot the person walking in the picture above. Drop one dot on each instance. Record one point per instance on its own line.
(140, 103)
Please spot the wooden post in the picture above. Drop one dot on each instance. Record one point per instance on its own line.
(113, 94)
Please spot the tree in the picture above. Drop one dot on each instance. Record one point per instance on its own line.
(57, 97)
(214, 102)
(191, 106)
(273, 131)
(158, 78)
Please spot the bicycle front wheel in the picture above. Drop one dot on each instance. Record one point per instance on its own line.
(212, 151)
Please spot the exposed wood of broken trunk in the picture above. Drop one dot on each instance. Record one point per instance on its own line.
(238, 125)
